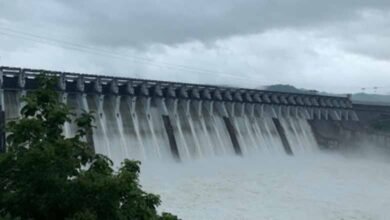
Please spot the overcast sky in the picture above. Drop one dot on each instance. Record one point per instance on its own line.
(333, 45)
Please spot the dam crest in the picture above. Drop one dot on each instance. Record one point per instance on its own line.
(158, 120)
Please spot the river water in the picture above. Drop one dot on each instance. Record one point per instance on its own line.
(318, 186)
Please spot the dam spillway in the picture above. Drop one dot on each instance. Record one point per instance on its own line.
(157, 120)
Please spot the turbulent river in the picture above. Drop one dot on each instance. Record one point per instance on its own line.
(318, 186)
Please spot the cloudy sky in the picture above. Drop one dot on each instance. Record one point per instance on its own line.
(333, 45)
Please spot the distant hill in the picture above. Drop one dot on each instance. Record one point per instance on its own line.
(357, 97)
(289, 88)
(375, 98)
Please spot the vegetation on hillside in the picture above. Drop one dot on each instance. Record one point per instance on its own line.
(382, 124)
(289, 88)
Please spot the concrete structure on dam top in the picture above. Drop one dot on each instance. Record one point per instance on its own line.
(149, 119)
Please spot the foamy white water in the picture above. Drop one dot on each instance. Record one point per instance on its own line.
(211, 183)
(318, 187)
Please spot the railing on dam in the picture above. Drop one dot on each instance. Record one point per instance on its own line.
(190, 119)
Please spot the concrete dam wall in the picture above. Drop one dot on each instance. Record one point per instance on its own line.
(372, 129)
(157, 120)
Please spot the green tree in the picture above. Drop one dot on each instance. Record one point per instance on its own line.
(44, 175)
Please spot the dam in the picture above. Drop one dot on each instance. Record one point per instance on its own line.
(157, 120)
(214, 152)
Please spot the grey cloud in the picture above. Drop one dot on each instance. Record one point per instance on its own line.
(280, 56)
(311, 44)
(372, 46)
(367, 35)
(137, 23)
